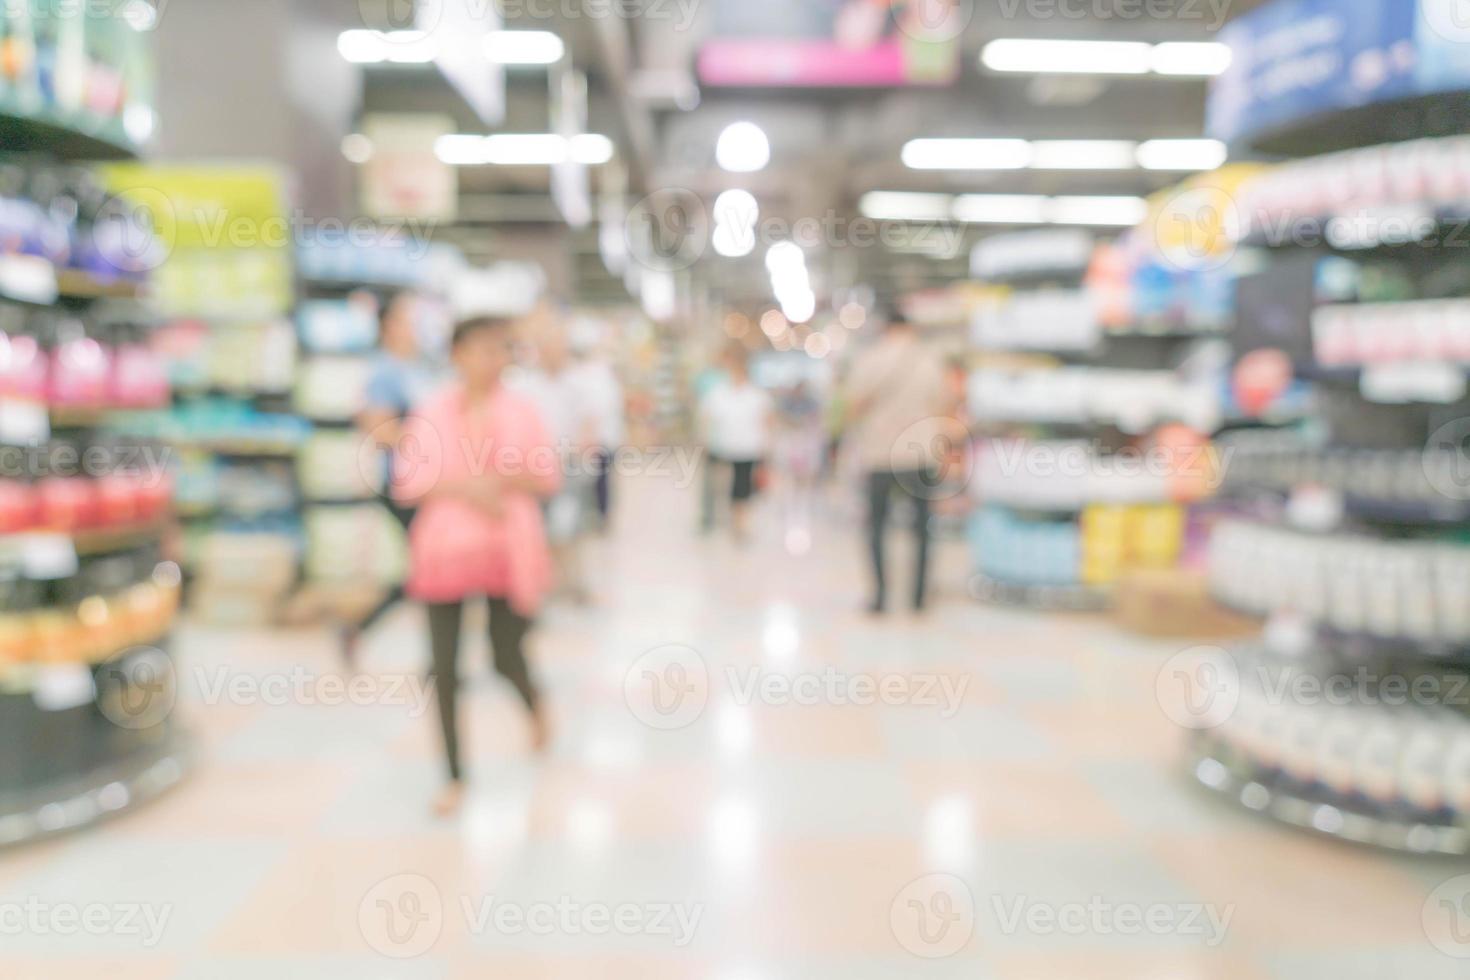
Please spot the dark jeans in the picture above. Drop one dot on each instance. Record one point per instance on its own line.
(882, 485)
(394, 595)
(602, 463)
(508, 630)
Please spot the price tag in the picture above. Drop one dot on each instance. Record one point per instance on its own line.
(23, 423)
(48, 556)
(1314, 508)
(28, 278)
(1289, 634)
(1438, 383)
(63, 687)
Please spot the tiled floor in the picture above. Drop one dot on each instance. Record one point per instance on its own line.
(1010, 807)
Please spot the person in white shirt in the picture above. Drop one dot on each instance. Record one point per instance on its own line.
(572, 420)
(602, 392)
(737, 418)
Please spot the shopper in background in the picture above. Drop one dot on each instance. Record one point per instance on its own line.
(738, 417)
(477, 460)
(571, 418)
(897, 398)
(706, 381)
(399, 378)
(593, 375)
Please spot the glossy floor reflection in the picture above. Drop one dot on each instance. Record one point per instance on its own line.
(750, 781)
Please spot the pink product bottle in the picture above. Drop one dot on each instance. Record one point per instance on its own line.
(23, 370)
(139, 377)
(81, 367)
(155, 490)
(118, 499)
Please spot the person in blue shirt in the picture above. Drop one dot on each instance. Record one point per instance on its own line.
(399, 379)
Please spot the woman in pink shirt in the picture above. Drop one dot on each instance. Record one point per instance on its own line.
(476, 460)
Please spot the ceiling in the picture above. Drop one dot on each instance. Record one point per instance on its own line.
(828, 147)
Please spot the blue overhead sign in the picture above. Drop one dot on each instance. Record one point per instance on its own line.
(1294, 59)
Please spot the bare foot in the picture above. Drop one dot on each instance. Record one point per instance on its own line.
(446, 804)
(540, 731)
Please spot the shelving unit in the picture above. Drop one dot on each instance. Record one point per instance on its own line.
(1363, 485)
(72, 645)
(1054, 376)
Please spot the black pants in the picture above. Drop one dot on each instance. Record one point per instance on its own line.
(394, 595)
(882, 485)
(508, 630)
(602, 464)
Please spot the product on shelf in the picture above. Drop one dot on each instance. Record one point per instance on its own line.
(354, 543)
(1047, 319)
(1383, 333)
(1429, 174)
(1134, 400)
(1047, 251)
(1410, 479)
(1391, 589)
(1047, 474)
(336, 465)
(1388, 765)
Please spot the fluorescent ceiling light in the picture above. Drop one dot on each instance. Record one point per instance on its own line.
(460, 150)
(522, 149)
(733, 241)
(1037, 56)
(785, 255)
(966, 154)
(357, 148)
(742, 148)
(1119, 211)
(525, 149)
(523, 47)
(1182, 154)
(1001, 209)
(1191, 58)
(904, 206)
(736, 208)
(800, 309)
(1083, 155)
(365, 47)
(1068, 57)
(591, 148)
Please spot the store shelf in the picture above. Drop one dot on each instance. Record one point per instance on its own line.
(105, 792)
(74, 138)
(104, 540)
(1366, 646)
(1337, 819)
(1060, 598)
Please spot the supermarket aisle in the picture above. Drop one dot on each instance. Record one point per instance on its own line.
(1007, 808)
